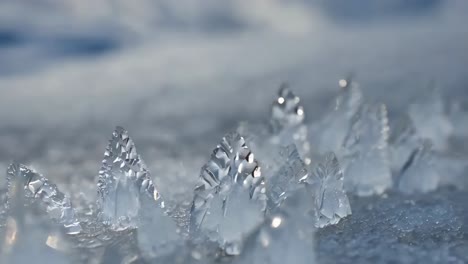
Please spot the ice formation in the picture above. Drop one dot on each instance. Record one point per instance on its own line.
(419, 173)
(326, 185)
(285, 176)
(287, 122)
(366, 160)
(426, 112)
(38, 189)
(228, 201)
(123, 178)
(285, 237)
(329, 133)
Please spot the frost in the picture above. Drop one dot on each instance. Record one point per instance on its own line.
(38, 189)
(326, 184)
(366, 161)
(122, 179)
(228, 201)
(419, 173)
(158, 235)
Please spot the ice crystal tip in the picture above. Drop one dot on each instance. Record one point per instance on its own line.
(287, 110)
(122, 179)
(330, 197)
(233, 158)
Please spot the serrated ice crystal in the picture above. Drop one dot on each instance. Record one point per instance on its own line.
(123, 178)
(287, 122)
(326, 184)
(328, 134)
(230, 182)
(366, 158)
(287, 173)
(419, 173)
(38, 190)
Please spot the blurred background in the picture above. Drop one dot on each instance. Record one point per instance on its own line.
(179, 74)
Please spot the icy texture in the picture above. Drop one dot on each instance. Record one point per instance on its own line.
(366, 162)
(326, 183)
(419, 173)
(422, 228)
(286, 177)
(158, 235)
(403, 142)
(428, 111)
(329, 133)
(227, 204)
(287, 122)
(122, 179)
(285, 237)
(38, 189)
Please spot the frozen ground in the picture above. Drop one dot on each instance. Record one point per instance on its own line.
(180, 77)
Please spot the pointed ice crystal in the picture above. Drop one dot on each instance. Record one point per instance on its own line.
(287, 122)
(419, 173)
(231, 191)
(403, 141)
(366, 162)
(326, 183)
(123, 178)
(284, 237)
(426, 112)
(38, 189)
(286, 175)
(330, 132)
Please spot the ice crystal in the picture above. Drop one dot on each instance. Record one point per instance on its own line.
(326, 184)
(38, 189)
(285, 176)
(329, 133)
(122, 179)
(419, 173)
(366, 161)
(287, 122)
(285, 237)
(229, 183)
(426, 112)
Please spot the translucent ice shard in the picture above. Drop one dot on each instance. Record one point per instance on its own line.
(158, 235)
(29, 236)
(123, 178)
(330, 132)
(285, 237)
(287, 122)
(402, 143)
(366, 161)
(38, 189)
(231, 192)
(426, 112)
(419, 173)
(285, 176)
(326, 183)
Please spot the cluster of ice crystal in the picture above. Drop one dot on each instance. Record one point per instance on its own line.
(228, 201)
(262, 208)
(123, 178)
